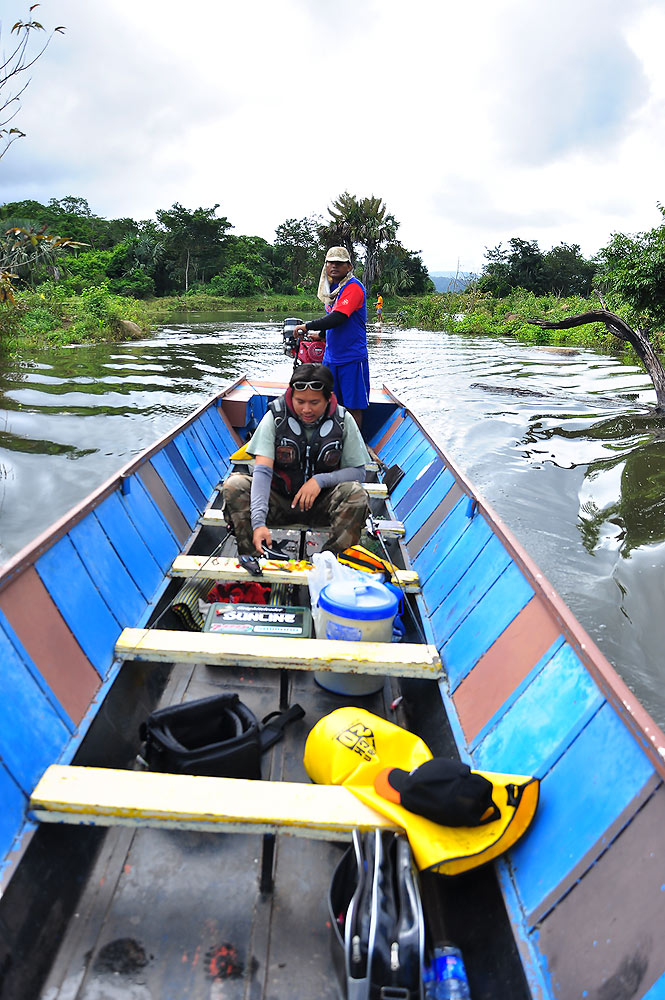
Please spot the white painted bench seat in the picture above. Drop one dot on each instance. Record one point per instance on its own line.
(223, 569)
(372, 489)
(389, 529)
(108, 797)
(242, 458)
(400, 659)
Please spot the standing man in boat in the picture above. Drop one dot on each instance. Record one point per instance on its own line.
(345, 326)
(310, 463)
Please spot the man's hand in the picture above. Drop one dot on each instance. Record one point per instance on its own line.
(260, 536)
(302, 331)
(306, 495)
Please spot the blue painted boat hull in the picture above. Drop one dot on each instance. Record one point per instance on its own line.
(525, 689)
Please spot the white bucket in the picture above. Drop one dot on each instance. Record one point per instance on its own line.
(355, 612)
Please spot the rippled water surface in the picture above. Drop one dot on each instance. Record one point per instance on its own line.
(563, 447)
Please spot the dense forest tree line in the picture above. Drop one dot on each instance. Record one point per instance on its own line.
(561, 271)
(183, 250)
(630, 270)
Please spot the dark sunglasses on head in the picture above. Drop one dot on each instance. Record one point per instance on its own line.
(317, 385)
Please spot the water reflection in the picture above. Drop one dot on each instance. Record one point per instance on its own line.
(622, 499)
(628, 494)
(561, 446)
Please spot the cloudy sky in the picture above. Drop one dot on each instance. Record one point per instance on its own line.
(475, 122)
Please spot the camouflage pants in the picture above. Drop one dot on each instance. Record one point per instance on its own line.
(343, 507)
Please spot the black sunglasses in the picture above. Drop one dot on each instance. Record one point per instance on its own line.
(317, 385)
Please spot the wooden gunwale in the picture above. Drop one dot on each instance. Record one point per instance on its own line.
(59, 528)
(617, 692)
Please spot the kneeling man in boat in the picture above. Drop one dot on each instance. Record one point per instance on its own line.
(310, 464)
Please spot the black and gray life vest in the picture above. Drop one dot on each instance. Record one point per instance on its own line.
(297, 459)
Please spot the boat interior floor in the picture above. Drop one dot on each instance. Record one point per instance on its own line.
(175, 914)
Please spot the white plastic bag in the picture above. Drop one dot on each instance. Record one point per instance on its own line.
(327, 569)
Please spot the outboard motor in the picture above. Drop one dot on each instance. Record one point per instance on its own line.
(290, 344)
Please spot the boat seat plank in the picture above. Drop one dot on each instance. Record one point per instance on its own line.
(339, 656)
(372, 489)
(111, 797)
(375, 489)
(247, 459)
(222, 568)
(214, 517)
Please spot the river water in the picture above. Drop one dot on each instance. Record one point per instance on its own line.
(562, 446)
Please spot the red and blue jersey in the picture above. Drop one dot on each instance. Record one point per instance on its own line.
(348, 341)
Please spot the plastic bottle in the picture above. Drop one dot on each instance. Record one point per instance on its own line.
(429, 986)
(450, 978)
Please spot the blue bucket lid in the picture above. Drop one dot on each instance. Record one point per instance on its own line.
(367, 601)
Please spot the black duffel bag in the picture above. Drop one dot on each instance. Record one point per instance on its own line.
(217, 736)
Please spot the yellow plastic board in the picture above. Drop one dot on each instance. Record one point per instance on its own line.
(372, 489)
(163, 645)
(389, 529)
(108, 797)
(222, 568)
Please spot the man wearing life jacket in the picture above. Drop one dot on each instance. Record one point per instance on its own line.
(345, 326)
(310, 463)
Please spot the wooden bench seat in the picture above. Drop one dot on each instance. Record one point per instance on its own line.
(243, 458)
(223, 568)
(388, 529)
(400, 659)
(372, 489)
(108, 797)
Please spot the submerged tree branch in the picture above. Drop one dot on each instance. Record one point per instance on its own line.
(636, 338)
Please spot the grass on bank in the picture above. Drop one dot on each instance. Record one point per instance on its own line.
(47, 317)
(480, 313)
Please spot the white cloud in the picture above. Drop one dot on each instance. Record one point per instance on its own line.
(475, 123)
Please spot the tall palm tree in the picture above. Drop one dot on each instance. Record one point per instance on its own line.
(365, 223)
(343, 222)
(378, 227)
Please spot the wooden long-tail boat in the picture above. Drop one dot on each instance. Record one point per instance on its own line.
(112, 883)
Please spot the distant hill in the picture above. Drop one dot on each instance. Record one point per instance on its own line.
(447, 281)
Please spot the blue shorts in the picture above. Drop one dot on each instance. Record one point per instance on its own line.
(351, 383)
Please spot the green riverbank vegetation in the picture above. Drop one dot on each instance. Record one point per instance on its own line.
(69, 276)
